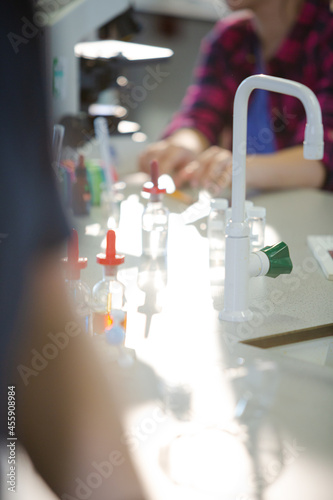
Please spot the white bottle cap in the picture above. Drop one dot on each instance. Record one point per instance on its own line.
(248, 204)
(228, 214)
(219, 203)
(259, 212)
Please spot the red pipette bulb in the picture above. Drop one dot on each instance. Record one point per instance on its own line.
(73, 263)
(154, 189)
(110, 258)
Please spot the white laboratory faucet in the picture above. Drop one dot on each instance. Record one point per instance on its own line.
(240, 265)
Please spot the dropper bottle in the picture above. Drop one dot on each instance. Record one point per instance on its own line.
(79, 291)
(154, 218)
(81, 196)
(109, 300)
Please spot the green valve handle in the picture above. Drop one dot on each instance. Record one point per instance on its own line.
(279, 259)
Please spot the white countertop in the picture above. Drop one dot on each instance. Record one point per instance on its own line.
(209, 418)
(186, 426)
(300, 300)
(305, 296)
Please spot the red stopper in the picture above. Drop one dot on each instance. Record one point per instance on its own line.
(73, 263)
(154, 189)
(110, 258)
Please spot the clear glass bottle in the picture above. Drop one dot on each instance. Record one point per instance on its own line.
(228, 214)
(248, 204)
(155, 218)
(216, 223)
(110, 315)
(256, 217)
(79, 291)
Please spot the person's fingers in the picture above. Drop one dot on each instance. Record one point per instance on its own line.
(215, 170)
(194, 172)
(210, 162)
(198, 172)
(174, 158)
(211, 169)
(186, 175)
(218, 164)
(170, 157)
(219, 181)
(152, 152)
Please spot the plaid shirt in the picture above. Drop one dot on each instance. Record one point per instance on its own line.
(228, 56)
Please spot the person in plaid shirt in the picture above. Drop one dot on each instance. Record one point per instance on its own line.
(291, 39)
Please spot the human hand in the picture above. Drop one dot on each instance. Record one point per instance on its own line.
(171, 157)
(212, 170)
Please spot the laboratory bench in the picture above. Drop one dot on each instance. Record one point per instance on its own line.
(209, 417)
(282, 306)
(214, 409)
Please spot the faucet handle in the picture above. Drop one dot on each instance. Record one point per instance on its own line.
(279, 259)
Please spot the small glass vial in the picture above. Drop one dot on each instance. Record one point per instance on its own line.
(111, 199)
(256, 217)
(155, 218)
(109, 300)
(79, 291)
(216, 224)
(248, 204)
(228, 214)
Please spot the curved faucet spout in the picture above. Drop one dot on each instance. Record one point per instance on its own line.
(237, 231)
(313, 142)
